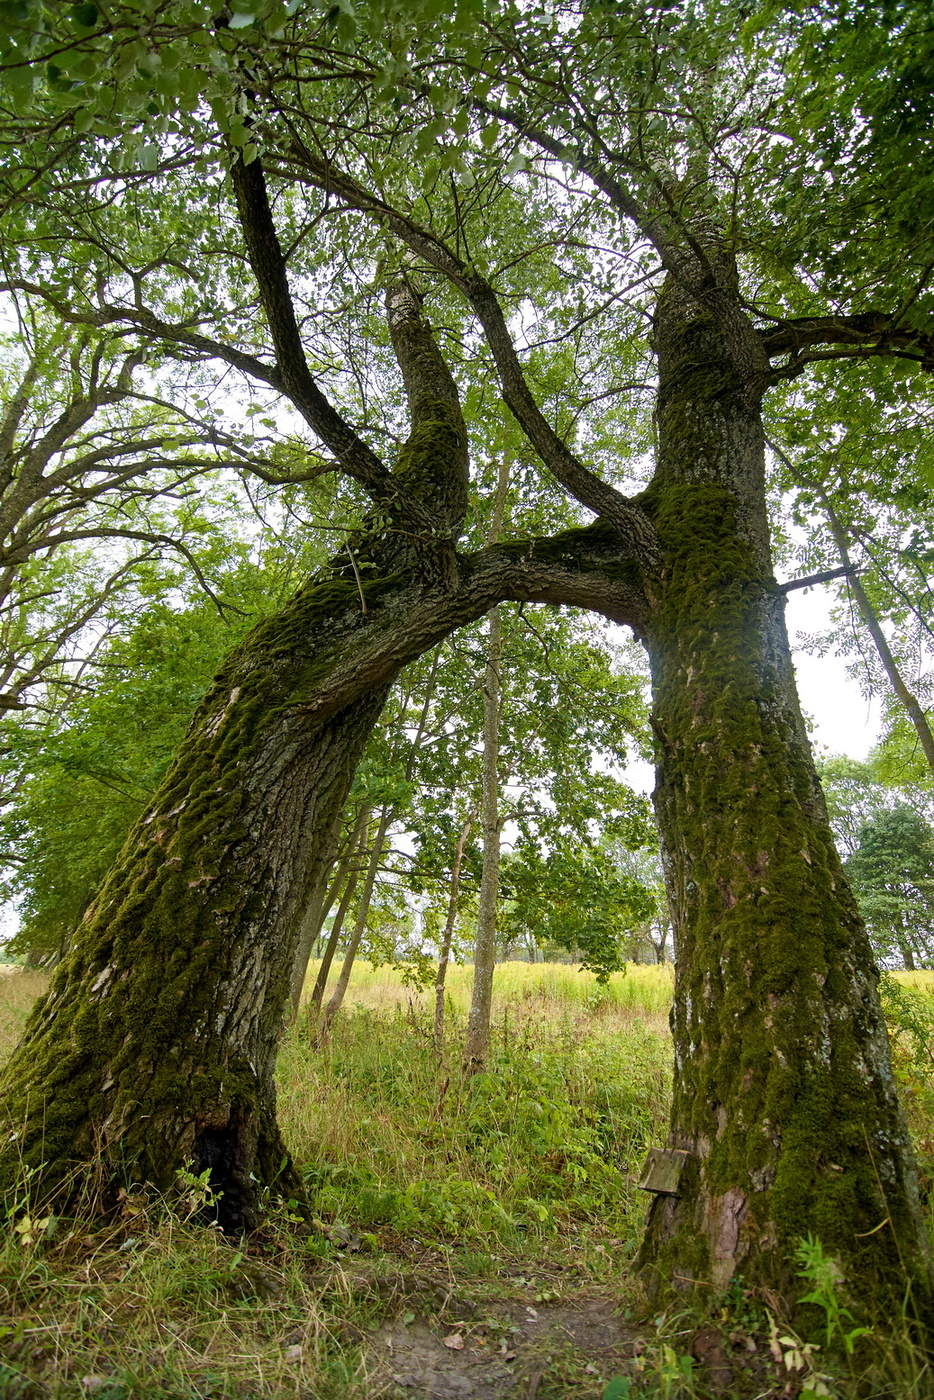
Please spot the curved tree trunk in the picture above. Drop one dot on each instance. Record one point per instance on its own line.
(155, 1045)
(784, 1101)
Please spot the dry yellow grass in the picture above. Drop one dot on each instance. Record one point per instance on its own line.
(19, 988)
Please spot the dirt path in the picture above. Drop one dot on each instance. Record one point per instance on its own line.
(556, 1349)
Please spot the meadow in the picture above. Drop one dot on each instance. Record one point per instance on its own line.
(470, 1239)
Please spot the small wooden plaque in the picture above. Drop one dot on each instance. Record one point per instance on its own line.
(662, 1170)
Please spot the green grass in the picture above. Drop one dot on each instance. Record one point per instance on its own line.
(431, 1197)
(555, 985)
(543, 1146)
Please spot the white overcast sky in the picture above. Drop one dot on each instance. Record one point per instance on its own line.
(843, 720)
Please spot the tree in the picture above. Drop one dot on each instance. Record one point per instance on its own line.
(598, 169)
(892, 869)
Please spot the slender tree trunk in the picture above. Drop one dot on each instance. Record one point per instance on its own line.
(317, 909)
(913, 709)
(363, 909)
(783, 1098)
(476, 1049)
(330, 948)
(319, 906)
(444, 952)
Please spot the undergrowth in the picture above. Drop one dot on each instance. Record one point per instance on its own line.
(441, 1200)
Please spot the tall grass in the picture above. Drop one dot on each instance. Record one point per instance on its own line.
(645, 988)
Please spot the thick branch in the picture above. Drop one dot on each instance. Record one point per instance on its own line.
(866, 333)
(825, 576)
(581, 568)
(432, 468)
(295, 378)
(582, 483)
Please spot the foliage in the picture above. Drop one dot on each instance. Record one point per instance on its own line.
(575, 898)
(892, 870)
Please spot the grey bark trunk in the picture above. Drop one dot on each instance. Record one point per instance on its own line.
(477, 1046)
(909, 701)
(319, 905)
(343, 881)
(330, 948)
(366, 897)
(444, 952)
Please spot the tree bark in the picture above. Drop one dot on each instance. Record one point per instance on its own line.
(444, 952)
(477, 1045)
(783, 1097)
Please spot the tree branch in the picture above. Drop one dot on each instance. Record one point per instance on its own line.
(295, 378)
(583, 484)
(865, 333)
(825, 576)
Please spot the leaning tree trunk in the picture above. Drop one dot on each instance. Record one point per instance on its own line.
(156, 1044)
(906, 697)
(783, 1098)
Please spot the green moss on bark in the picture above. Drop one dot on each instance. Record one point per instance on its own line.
(783, 1088)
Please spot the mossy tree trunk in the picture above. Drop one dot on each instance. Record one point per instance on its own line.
(155, 1046)
(783, 1095)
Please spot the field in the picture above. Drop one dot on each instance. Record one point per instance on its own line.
(471, 1240)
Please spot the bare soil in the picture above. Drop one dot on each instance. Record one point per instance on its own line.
(567, 1348)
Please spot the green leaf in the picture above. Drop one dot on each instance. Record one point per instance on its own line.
(619, 1388)
(85, 15)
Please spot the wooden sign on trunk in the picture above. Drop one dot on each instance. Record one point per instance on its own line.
(662, 1170)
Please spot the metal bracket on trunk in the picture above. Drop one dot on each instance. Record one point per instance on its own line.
(662, 1170)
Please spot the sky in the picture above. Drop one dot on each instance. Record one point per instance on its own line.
(842, 720)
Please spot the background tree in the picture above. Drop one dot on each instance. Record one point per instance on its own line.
(892, 869)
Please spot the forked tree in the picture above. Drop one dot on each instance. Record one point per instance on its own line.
(661, 142)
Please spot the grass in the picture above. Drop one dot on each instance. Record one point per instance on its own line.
(434, 1200)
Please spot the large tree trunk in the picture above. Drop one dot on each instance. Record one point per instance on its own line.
(155, 1045)
(783, 1095)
